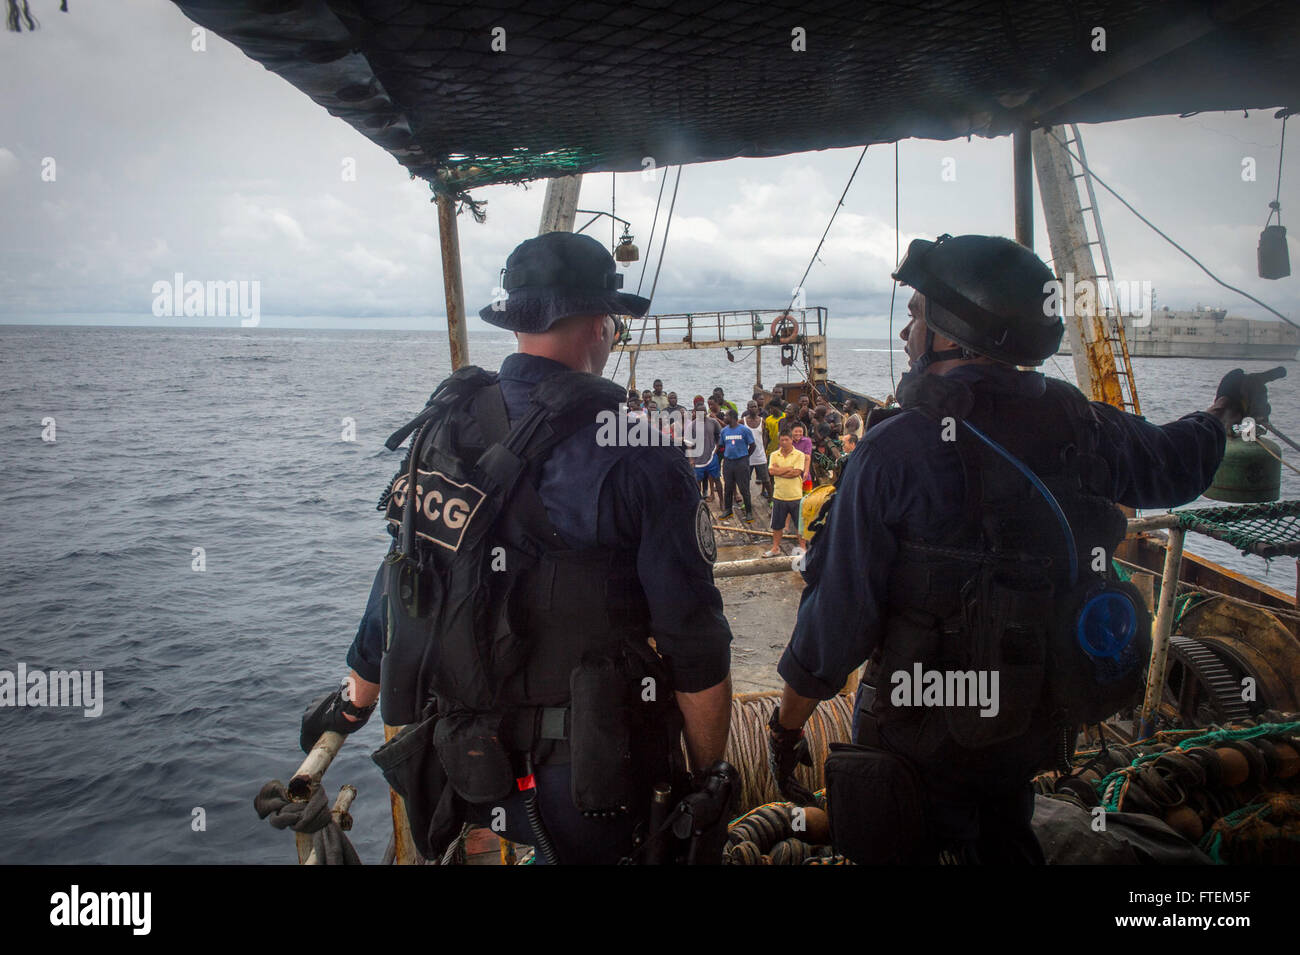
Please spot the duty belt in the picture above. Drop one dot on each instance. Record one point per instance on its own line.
(527, 726)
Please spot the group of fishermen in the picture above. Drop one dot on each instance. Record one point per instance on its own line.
(547, 628)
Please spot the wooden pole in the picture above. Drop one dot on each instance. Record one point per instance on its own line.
(561, 205)
(743, 530)
(405, 851)
(1163, 628)
(758, 565)
(758, 365)
(1023, 163)
(452, 283)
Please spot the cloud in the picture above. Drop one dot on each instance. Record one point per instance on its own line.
(254, 190)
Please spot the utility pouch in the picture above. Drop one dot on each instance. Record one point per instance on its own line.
(477, 765)
(875, 804)
(600, 736)
(1008, 619)
(410, 765)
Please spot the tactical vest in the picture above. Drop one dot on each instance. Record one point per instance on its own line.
(519, 643)
(994, 592)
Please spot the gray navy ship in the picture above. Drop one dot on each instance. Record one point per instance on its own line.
(1208, 333)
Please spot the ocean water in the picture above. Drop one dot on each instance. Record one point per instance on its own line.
(232, 440)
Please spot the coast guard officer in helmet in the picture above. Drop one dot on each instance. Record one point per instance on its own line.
(607, 578)
(941, 556)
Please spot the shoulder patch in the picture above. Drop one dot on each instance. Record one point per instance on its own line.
(443, 507)
(704, 539)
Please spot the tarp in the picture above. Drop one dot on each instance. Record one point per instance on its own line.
(506, 90)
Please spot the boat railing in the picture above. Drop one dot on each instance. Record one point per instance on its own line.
(740, 326)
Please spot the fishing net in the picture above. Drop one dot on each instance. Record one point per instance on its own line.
(464, 95)
(1266, 832)
(1265, 530)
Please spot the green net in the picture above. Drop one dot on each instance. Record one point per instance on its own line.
(1111, 787)
(1266, 530)
(1263, 832)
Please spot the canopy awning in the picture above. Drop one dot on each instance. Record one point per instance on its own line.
(512, 90)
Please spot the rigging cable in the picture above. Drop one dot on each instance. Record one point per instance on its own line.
(1275, 207)
(798, 288)
(893, 382)
(663, 247)
(1156, 229)
(645, 263)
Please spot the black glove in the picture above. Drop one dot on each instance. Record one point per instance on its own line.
(327, 713)
(1249, 393)
(787, 750)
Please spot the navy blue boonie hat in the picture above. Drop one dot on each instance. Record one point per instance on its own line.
(557, 275)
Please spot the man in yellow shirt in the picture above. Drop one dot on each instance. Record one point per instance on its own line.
(786, 466)
(772, 423)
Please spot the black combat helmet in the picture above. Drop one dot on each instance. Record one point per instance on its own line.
(994, 297)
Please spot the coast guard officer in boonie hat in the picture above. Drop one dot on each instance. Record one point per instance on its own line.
(632, 556)
(555, 276)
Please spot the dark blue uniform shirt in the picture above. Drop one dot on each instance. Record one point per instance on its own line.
(903, 481)
(640, 499)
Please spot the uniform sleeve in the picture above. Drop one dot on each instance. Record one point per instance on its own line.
(652, 499)
(367, 648)
(839, 621)
(1160, 465)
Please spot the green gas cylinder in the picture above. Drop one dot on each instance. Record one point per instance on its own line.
(1248, 473)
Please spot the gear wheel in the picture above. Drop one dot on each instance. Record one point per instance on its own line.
(1200, 686)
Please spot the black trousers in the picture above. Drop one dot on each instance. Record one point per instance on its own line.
(989, 830)
(980, 820)
(735, 474)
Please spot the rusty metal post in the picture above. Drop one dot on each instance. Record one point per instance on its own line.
(1163, 628)
(452, 283)
(1023, 173)
(340, 815)
(308, 776)
(758, 365)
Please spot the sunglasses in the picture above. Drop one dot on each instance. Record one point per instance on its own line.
(620, 327)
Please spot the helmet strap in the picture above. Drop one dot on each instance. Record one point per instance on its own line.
(930, 356)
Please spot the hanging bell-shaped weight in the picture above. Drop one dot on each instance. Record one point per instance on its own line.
(1274, 262)
(1248, 474)
(625, 252)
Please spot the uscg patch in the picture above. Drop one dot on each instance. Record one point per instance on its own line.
(443, 507)
(704, 539)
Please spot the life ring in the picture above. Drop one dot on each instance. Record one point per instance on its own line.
(793, 325)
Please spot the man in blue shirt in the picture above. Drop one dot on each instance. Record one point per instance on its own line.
(737, 446)
(976, 315)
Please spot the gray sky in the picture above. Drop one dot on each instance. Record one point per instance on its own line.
(169, 160)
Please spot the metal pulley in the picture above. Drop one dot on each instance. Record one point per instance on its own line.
(787, 354)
